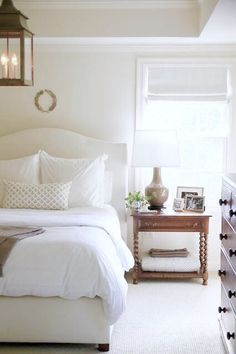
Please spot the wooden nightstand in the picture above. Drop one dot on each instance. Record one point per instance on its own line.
(170, 222)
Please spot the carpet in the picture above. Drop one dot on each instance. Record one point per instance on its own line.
(162, 317)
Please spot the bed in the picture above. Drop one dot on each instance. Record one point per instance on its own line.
(67, 284)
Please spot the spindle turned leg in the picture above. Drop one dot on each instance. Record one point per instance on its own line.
(136, 257)
(203, 257)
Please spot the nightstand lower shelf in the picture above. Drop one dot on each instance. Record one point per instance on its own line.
(168, 275)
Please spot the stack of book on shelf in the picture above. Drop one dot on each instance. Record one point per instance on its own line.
(169, 260)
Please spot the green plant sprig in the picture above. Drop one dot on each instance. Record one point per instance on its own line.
(136, 196)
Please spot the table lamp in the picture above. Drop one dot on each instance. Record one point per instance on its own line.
(156, 148)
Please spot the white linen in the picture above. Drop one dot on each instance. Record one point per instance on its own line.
(107, 187)
(80, 254)
(25, 170)
(170, 264)
(87, 176)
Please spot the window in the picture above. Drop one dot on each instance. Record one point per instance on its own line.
(200, 115)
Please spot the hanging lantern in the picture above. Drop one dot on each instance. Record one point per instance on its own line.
(16, 47)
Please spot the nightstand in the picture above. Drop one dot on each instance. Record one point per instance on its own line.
(170, 222)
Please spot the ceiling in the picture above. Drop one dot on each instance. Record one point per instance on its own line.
(221, 26)
(216, 18)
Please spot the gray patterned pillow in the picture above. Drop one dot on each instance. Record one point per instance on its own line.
(52, 196)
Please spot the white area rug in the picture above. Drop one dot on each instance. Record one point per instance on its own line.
(162, 317)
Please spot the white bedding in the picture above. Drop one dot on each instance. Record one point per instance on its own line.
(80, 254)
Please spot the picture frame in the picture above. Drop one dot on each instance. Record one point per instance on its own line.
(194, 203)
(182, 191)
(178, 204)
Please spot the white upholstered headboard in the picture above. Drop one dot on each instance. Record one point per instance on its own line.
(65, 143)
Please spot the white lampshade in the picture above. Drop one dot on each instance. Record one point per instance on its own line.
(155, 148)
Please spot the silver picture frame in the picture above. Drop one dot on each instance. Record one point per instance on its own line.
(194, 203)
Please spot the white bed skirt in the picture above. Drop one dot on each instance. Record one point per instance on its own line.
(53, 320)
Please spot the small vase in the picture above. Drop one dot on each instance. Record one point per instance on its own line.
(137, 205)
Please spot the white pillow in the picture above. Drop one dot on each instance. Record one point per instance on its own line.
(25, 169)
(107, 187)
(87, 177)
(36, 196)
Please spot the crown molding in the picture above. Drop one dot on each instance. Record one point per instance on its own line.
(108, 4)
(135, 45)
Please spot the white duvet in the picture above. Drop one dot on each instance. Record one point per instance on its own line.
(80, 254)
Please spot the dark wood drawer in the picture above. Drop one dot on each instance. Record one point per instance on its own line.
(190, 224)
(228, 322)
(228, 279)
(226, 198)
(228, 239)
(232, 211)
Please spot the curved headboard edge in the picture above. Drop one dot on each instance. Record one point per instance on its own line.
(70, 144)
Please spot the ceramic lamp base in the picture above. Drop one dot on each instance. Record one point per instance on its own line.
(156, 192)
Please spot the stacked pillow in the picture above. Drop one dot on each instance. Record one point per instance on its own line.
(25, 169)
(87, 177)
(42, 181)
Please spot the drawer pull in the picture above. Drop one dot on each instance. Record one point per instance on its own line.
(221, 202)
(232, 213)
(222, 309)
(232, 253)
(231, 294)
(230, 335)
(221, 272)
(225, 236)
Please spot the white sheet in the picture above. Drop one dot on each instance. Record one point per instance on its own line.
(80, 254)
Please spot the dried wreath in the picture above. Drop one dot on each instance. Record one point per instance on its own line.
(53, 98)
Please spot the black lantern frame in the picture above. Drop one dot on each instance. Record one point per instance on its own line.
(16, 47)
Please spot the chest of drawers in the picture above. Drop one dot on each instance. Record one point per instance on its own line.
(227, 271)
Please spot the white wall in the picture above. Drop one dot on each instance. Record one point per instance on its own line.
(96, 92)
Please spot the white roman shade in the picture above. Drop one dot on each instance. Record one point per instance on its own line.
(187, 82)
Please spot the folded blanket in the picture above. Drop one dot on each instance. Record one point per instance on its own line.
(14, 231)
(9, 236)
(156, 252)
